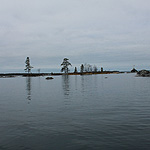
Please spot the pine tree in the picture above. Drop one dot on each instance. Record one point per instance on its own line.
(75, 70)
(28, 66)
(65, 65)
(82, 68)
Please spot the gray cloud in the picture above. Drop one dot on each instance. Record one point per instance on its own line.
(102, 32)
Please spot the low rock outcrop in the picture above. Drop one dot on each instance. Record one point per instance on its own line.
(143, 73)
(49, 78)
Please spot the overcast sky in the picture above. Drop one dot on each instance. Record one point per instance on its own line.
(114, 34)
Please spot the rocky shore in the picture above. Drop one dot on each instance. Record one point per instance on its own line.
(143, 73)
(11, 75)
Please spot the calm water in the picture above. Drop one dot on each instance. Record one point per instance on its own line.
(75, 113)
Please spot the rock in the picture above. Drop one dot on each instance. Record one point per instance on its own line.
(49, 78)
(143, 73)
(134, 70)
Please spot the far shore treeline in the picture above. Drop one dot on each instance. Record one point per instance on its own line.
(85, 69)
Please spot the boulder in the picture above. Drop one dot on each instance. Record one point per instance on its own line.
(143, 73)
(49, 78)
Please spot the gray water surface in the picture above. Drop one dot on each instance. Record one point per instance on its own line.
(88, 112)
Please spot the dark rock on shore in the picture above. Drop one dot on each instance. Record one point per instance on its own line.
(134, 70)
(143, 73)
(7, 76)
(35, 74)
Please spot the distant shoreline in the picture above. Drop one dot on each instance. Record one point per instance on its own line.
(3, 75)
(7, 75)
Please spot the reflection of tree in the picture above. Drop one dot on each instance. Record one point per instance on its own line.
(28, 88)
(65, 84)
(82, 83)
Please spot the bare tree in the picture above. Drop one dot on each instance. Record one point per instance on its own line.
(95, 68)
(65, 65)
(90, 69)
(87, 68)
(39, 70)
(28, 66)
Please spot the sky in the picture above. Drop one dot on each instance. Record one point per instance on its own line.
(113, 34)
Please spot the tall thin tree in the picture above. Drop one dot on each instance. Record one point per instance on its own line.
(75, 70)
(82, 68)
(28, 66)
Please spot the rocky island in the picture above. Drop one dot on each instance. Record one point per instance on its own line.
(143, 73)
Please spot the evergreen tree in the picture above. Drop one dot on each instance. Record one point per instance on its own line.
(75, 70)
(65, 65)
(28, 66)
(82, 68)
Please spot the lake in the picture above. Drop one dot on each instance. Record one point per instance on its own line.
(89, 112)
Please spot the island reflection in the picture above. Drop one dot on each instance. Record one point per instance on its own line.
(28, 88)
(65, 85)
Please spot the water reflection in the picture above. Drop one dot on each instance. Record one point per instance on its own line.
(86, 80)
(65, 84)
(28, 88)
(76, 83)
(82, 83)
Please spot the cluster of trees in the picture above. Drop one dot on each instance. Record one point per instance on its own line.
(83, 68)
(88, 68)
(65, 67)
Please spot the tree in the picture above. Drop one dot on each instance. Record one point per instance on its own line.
(90, 69)
(39, 70)
(65, 65)
(82, 68)
(75, 70)
(87, 67)
(95, 68)
(28, 66)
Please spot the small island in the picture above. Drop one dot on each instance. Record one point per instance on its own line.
(143, 73)
(85, 69)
